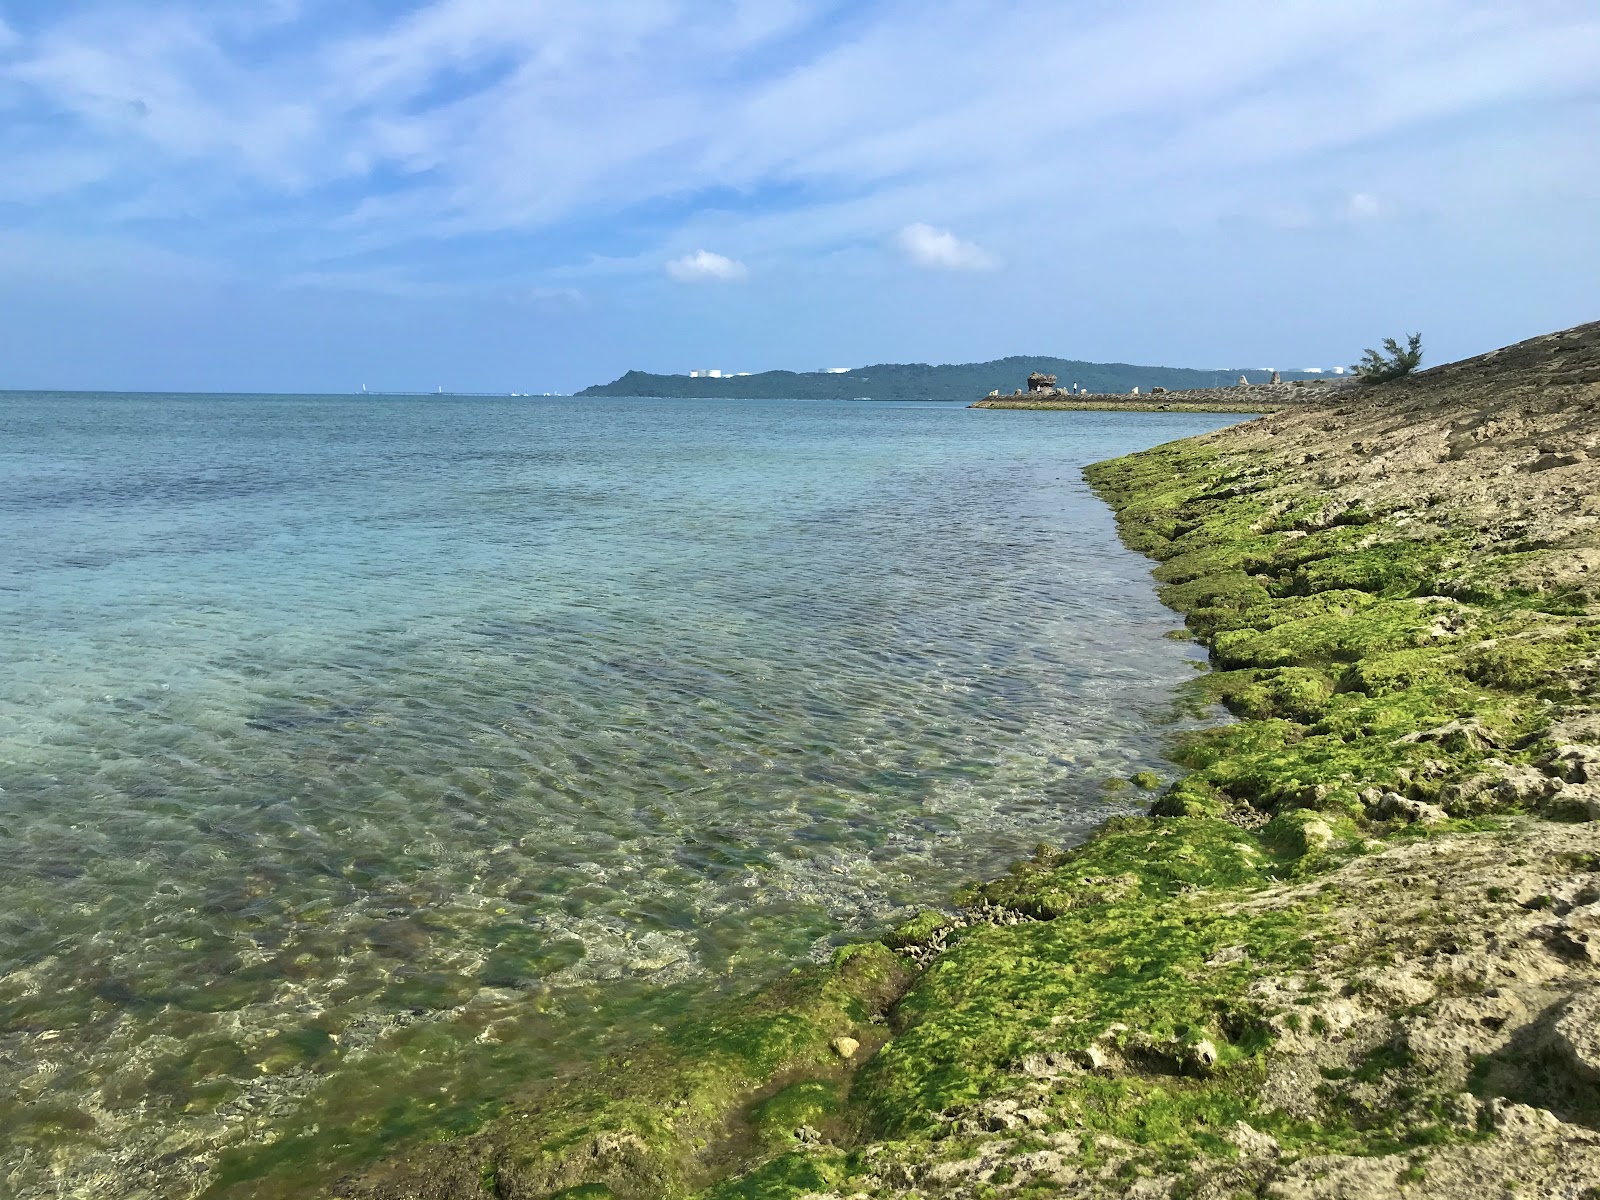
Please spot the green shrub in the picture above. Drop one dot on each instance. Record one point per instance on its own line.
(1380, 368)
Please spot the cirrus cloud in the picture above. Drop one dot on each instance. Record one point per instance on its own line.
(941, 250)
(705, 267)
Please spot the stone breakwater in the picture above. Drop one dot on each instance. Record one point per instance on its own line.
(1243, 398)
(1354, 951)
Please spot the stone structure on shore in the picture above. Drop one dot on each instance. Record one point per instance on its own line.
(1042, 392)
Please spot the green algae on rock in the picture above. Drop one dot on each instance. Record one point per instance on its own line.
(1352, 612)
(709, 1094)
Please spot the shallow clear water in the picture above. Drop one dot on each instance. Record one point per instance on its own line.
(365, 759)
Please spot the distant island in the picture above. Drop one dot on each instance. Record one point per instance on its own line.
(964, 382)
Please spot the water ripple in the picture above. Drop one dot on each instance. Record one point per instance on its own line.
(353, 749)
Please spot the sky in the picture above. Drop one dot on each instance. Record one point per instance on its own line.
(534, 195)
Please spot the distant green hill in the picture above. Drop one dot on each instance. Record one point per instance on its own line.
(919, 381)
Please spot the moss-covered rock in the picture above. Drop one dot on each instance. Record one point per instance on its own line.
(920, 930)
(710, 1094)
(1330, 638)
(1107, 951)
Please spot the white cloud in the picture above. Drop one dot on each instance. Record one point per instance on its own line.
(941, 250)
(399, 132)
(1363, 206)
(703, 266)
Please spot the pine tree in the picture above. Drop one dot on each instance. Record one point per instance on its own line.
(1378, 368)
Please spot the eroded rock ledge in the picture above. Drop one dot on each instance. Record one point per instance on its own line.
(1355, 950)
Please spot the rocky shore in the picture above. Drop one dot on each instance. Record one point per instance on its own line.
(1354, 951)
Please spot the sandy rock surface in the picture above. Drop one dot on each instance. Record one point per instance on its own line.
(1507, 444)
(1443, 959)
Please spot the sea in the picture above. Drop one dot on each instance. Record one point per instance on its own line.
(368, 762)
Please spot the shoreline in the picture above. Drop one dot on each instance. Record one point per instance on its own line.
(1348, 953)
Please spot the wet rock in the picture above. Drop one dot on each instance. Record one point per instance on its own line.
(618, 1159)
(845, 1047)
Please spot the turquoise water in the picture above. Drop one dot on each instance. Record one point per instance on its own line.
(363, 760)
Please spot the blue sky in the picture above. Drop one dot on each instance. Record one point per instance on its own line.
(525, 195)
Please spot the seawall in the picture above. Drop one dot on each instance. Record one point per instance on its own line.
(1243, 398)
